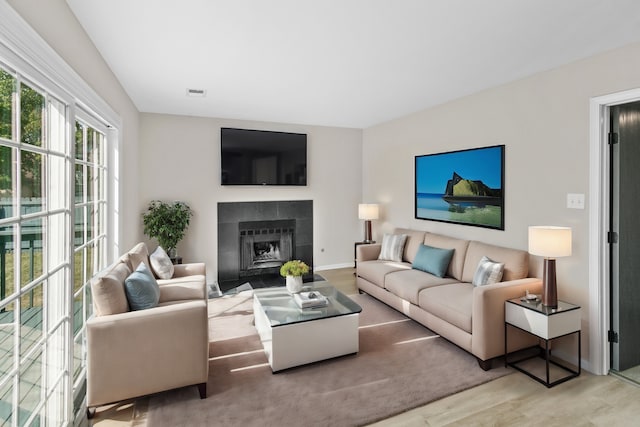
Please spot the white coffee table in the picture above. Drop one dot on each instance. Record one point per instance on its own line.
(292, 336)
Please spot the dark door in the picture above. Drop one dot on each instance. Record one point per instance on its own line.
(625, 243)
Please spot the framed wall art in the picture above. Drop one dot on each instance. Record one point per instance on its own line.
(461, 187)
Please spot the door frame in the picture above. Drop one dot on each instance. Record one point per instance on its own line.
(599, 295)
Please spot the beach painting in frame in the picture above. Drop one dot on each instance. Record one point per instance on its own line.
(462, 187)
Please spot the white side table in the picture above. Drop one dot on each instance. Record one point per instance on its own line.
(546, 323)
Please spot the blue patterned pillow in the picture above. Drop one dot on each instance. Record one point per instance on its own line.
(433, 260)
(488, 272)
(141, 289)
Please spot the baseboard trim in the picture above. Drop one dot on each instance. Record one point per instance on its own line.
(333, 266)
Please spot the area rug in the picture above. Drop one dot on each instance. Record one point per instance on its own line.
(401, 365)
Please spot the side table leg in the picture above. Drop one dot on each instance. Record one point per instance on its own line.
(547, 355)
(506, 355)
(579, 352)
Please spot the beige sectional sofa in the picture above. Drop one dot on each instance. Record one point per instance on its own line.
(471, 317)
(135, 353)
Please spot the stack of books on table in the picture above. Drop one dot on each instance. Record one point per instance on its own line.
(310, 299)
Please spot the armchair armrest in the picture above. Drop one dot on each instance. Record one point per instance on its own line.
(368, 252)
(192, 269)
(141, 352)
(488, 314)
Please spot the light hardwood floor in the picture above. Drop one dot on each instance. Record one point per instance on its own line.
(513, 400)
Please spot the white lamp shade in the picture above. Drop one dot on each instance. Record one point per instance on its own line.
(550, 241)
(368, 211)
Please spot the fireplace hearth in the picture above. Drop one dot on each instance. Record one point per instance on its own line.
(256, 238)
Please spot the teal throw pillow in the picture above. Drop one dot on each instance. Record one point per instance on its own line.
(141, 289)
(433, 260)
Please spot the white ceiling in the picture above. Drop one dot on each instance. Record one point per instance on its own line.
(350, 63)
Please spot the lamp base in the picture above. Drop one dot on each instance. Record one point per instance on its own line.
(549, 287)
(367, 231)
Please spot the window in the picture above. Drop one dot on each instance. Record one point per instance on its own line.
(33, 246)
(53, 239)
(58, 225)
(90, 241)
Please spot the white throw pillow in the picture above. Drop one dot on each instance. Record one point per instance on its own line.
(488, 272)
(161, 264)
(392, 247)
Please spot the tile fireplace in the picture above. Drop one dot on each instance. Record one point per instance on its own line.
(256, 238)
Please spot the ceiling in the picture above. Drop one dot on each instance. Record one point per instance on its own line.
(346, 63)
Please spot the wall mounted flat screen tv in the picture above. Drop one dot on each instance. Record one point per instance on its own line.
(462, 187)
(257, 157)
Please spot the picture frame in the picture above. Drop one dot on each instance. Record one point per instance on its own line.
(461, 187)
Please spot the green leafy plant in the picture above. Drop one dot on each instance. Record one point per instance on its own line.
(167, 222)
(294, 268)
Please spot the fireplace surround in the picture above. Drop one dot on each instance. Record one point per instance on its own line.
(256, 238)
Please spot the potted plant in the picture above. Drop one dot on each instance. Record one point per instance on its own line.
(167, 222)
(293, 271)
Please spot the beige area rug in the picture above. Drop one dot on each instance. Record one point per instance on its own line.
(401, 365)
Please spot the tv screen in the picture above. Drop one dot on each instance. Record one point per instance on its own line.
(257, 157)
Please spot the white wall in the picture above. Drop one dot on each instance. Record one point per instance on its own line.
(544, 123)
(58, 26)
(180, 160)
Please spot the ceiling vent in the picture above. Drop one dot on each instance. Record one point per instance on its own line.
(197, 92)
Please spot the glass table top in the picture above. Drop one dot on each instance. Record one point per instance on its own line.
(536, 305)
(281, 309)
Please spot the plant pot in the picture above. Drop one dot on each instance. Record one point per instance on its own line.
(294, 284)
(173, 253)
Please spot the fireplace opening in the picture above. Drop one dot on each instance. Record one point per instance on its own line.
(264, 252)
(265, 246)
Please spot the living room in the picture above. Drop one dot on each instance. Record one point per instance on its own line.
(543, 117)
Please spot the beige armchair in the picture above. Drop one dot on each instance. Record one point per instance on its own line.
(135, 353)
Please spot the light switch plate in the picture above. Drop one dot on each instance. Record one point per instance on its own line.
(575, 201)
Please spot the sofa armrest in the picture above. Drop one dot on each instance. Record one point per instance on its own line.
(368, 252)
(146, 351)
(488, 314)
(192, 269)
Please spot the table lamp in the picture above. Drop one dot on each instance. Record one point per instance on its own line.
(551, 243)
(368, 211)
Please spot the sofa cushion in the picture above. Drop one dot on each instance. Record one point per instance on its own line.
(107, 290)
(161, 264)
(186, 288)
(445, 242)
(375, 271)
(451, 303)
(516, 261)
(392, 247)
(141, 289)
(432, 260)
(488, 272)
(139, 253)
(414, 239)
(407, 284)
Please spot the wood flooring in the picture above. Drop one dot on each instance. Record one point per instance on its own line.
(514, 400)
